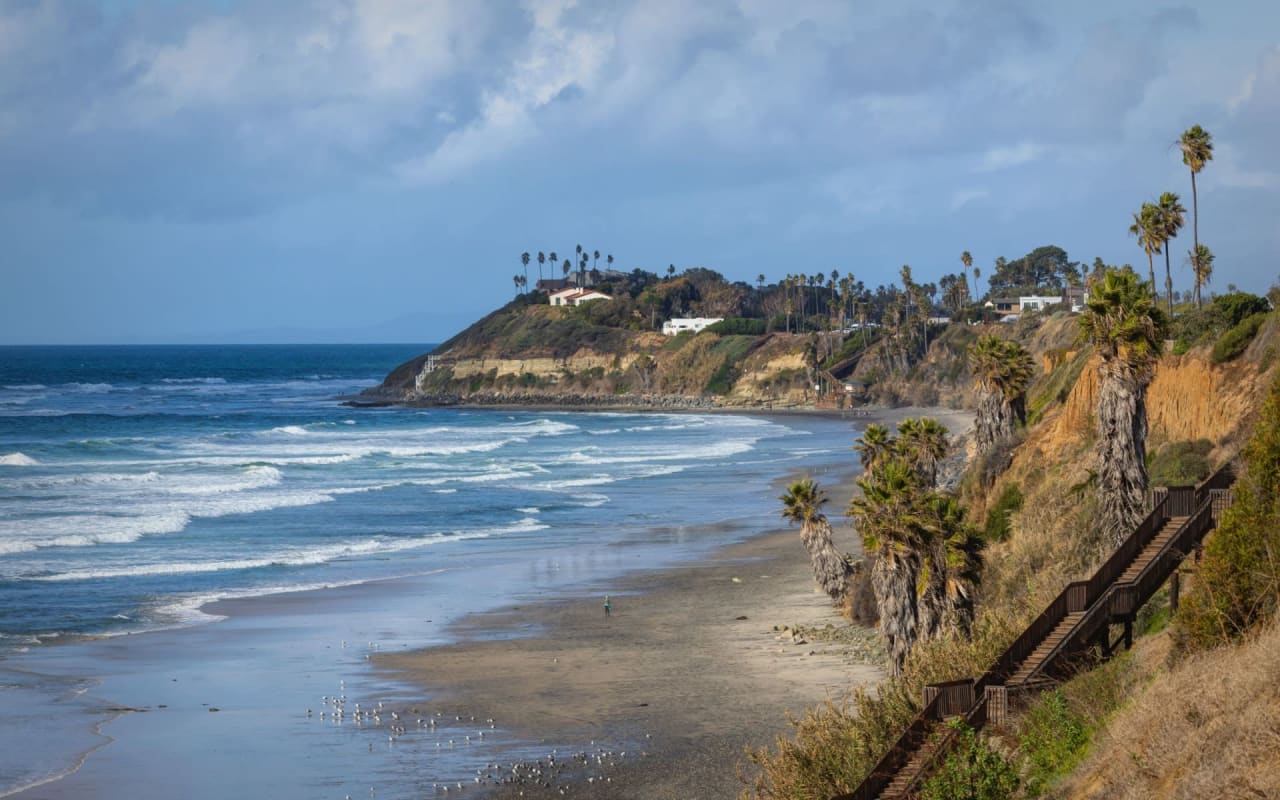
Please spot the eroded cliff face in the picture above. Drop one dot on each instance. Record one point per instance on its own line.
(1188, 399)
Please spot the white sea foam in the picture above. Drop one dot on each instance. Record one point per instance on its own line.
(26, 387)
(92, 388)
(186, 381)
(293, 557)
(292, 430)
(18, 460)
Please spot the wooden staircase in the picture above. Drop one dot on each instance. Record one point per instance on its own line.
(906, 778)
(1036, 661)
(1078, 618)
(1149, 552)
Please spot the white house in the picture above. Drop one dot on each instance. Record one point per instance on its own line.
(1037, 303)
(573, 296)
(694, 324)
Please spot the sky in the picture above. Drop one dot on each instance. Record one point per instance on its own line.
(371, 170)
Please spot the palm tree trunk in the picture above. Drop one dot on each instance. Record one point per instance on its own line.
(830, 570)
(893, 581)
(1168, 280)
(1122, 450)
(1195, 216)
(1151, 273)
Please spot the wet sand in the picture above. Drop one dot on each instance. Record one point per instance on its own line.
(686, 673)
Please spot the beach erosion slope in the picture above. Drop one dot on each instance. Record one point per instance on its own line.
(664, 697)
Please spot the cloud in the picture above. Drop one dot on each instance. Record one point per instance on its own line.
(998, 158)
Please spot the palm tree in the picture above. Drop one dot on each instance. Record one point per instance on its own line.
(1003, 370)
(1126, 328)
(802, 504)
(1202, 265)
(760, 281)
(1146, 226)
(565, 267)
(1171, 217)
(977, 273)
(950, 570)
(874, 446)
(1196, 145)
(516, 279)
(595, 259)
(922, 443)
(551, 257)
(608, 261)
(888, 516)
(524, 261)
(671, 270)
(542, 260)
(967, 260)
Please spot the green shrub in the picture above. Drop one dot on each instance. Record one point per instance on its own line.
(721, 381)
(1236, 307)
(1053, 738)
(1180, 463)
(997, 526)
(973, 771)
(1237, 583)
(1234, 341)
(739, 326)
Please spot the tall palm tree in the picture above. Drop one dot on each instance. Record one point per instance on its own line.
(608, 261)
(967, 260)
(889, 517)
(1126, 328)
(524, 261)
(1146, 226)
(1172, 215)
(551, 257)
(1196, 145)
(595, 259)
(1002, 369)
(1202, 265)
(802, 504)
(565, 267)
(977, 273)
(542, 260)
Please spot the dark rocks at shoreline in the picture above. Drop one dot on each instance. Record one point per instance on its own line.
(558, 400)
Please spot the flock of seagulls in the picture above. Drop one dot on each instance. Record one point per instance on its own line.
(549, 774)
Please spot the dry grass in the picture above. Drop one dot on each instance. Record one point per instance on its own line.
(1209, 728)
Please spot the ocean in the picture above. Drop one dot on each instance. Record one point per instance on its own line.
(138, 485)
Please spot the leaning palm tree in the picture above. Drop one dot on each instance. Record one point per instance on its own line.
(887, 515)
(1202, 265)
(1146, 226)
(1003, 370)
(1126, 328)
(874, 446)
(1196, 145)
(802, 504)
(1172, 216)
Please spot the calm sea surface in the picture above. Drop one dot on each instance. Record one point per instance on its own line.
(137, 484)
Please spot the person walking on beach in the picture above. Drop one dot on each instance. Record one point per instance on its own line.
(607, 607)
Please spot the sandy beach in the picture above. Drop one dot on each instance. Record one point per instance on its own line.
(686, 672)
